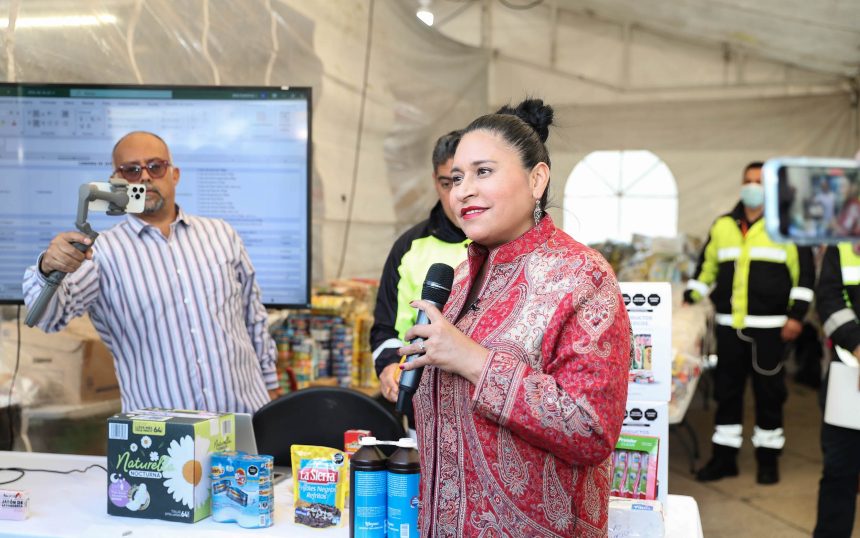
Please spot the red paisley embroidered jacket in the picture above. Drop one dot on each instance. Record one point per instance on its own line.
(526, 451)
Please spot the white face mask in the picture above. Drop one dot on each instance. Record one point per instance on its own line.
(752, 195)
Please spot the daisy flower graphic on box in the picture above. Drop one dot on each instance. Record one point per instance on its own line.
(187, 471)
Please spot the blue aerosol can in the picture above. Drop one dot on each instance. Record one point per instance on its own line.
(367, 487)
(404, 477)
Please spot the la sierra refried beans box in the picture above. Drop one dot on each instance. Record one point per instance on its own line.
(158, 462)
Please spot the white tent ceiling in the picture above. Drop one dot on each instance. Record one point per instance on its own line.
(578, 52)
(821, 36)
(707, 85)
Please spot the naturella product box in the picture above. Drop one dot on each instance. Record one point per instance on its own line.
(158, 462)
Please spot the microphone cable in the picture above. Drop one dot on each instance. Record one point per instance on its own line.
(761, 371)
(23, 471)
(9, 415)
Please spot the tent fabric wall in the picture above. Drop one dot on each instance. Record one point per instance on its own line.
(377, 113)
(623, 79)
(372, 134)
(706, 144)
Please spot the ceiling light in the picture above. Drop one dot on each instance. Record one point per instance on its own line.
(60, 21)
(424, 12)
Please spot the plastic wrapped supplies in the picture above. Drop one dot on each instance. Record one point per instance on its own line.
(629, 518)
(689, 333)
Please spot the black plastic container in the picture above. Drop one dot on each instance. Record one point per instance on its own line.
(367, 491)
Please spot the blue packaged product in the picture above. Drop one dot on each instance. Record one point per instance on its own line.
(237, 496)
(404, 477)
(220, 487)
(242, 489)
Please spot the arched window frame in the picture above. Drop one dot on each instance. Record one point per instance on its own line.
(610, 195)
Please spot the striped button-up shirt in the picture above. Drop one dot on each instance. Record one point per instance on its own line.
(182, 315)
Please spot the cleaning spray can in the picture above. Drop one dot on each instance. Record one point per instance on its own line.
(404, 475)
(367, 484)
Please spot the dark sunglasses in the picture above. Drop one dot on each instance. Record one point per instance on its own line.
(132, 172)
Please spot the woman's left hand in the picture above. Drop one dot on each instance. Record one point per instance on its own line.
(444, 346)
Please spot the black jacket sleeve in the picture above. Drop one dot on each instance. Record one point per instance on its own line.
(385, 311)
(839, 319)
(805, 281)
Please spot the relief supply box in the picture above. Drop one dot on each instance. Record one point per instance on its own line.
(159, 462)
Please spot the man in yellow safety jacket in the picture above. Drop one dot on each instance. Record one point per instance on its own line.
(839, 307)
(761, 292)
(435, 240)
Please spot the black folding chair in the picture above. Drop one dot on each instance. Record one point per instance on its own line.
(320, 416)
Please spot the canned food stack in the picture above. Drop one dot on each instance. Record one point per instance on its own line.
(302, 361)
(341, 353)
(321, 333)
(242, 489)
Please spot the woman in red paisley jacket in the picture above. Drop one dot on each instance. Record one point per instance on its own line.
(523, 394)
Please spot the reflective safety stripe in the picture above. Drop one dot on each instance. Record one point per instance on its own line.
(728, 254)
(769, 254)
(838, 319)
(699, 286)
(728, 435)
(801, 294)
(847, 357)
(753, 322)
(723, 319)
(391, 343)
(765, 322)
(774, 439)
(850, 275)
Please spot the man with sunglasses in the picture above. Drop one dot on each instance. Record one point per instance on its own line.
(174, 296)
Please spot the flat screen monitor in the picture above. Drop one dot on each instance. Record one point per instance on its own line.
(243, 153)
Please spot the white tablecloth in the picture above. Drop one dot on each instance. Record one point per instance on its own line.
(75, 506)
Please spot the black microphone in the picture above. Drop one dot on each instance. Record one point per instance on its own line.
(436, 289)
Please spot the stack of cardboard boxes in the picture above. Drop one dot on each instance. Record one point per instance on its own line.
(645, 431)
(69, 367)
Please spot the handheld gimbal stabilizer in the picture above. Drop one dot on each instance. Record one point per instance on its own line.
(116, 197)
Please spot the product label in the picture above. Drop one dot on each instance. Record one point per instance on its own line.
(317, 482)
(241, 491)
(369, 519)
(146, 427)
(403, 505)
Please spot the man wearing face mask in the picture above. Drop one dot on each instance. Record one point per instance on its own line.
(761, 291)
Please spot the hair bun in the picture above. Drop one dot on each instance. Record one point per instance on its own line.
(534, 112)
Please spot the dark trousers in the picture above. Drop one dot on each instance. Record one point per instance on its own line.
(837, 490)
(735, 364)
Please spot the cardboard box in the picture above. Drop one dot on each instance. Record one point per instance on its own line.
(649, 306)
(159, 464)
(642, 519)
(352, 440)
(70, 367)
(652, 419)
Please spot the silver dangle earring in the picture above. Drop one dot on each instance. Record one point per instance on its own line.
(538, 212)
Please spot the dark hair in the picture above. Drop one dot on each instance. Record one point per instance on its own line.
(755, 165)
(445, 148)
(525, 128)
